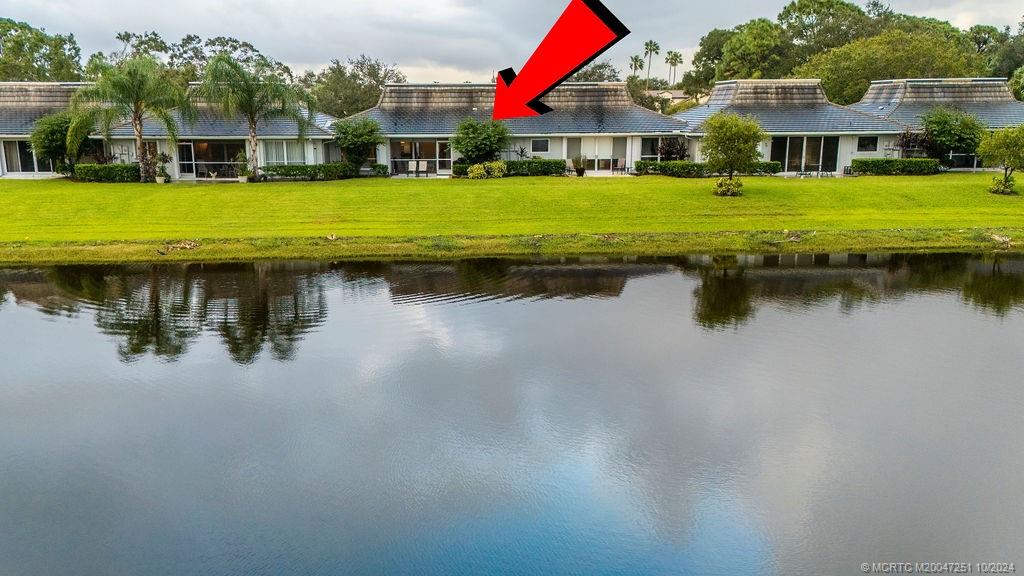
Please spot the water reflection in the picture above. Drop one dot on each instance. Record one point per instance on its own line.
(267, 308)
(732, 415)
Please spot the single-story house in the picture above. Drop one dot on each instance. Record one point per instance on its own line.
(808, 132)
(595, 120)
(21, 105)
(907, 101)
(990, 100)
(208, 147)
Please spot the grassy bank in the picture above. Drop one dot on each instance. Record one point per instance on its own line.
(60, 221)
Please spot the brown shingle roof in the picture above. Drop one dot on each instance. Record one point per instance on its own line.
(54, 95)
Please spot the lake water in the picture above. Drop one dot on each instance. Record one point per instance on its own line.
(730, 415)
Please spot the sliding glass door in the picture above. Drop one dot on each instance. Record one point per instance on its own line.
(806, 153)
(18, 157)
(420, 157)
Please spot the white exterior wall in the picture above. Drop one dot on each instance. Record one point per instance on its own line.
(555, 151)
(593, 147)
(125, 151)
(847, 148)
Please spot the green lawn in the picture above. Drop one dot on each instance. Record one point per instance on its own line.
(58, 220)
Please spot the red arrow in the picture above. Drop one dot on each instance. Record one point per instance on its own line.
(583, 32)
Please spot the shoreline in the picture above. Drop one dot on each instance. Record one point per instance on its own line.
(979, 240)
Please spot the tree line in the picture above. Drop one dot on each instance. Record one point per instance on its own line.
(840, 42)
(29, 54)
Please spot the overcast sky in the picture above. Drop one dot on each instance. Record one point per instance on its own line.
(431, 40)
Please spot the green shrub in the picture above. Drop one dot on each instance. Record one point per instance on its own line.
(333, 171)
(337, 171)
(460, 169)
(478, 141)
(107, 172)
(896, 166)
(536, 167)
(486, 170)
(769, 168)
(687, 169)
(381, 170)
(1003, 186)
(729, 187)
(296, 171)
(682, 169)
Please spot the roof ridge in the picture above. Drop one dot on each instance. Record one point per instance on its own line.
(885, 117)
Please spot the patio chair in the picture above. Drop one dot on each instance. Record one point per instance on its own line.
(411, 169)
(424, 167)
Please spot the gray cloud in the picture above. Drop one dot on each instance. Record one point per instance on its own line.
(450, 40)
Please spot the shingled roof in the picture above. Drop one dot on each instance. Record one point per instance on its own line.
(578, 108)
(785, 107)
(23, 103)
(209, 123)
(907, 101)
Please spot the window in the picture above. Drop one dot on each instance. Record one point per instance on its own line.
(649, 148)
(20, 158)
(867, 144)
(540, 146)
(279, 152)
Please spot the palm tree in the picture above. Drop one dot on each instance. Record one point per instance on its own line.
(257, 93)
(136, 89)
(651, 49)
(636, 64)
(673, 59)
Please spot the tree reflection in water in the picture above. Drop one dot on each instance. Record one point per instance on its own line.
(724, 298)
(154, 313)
(162, 310)
(255, 306)
(998, 292)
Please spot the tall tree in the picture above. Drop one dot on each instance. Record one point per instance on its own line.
(673, 59)
(603, 71)
(29, 54)
(135, 90)
(847, 72)
(1017, 83)
(705, 61)
(636, 64)
(258, 94)
(343, 89)
(816, 26)
(987, 38)
(186, 58)
(758, 49)
(651, 49)
(1008, 56)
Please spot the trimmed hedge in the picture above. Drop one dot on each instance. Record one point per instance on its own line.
(896, 166)
(687, 169)
(107, 172)
(460, 169)
(673, 168)
(536, 167)
(765, 168)
(333, 171)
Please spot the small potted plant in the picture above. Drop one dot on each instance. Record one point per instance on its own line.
(162, 177)
(244, 172)
(580, 164)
